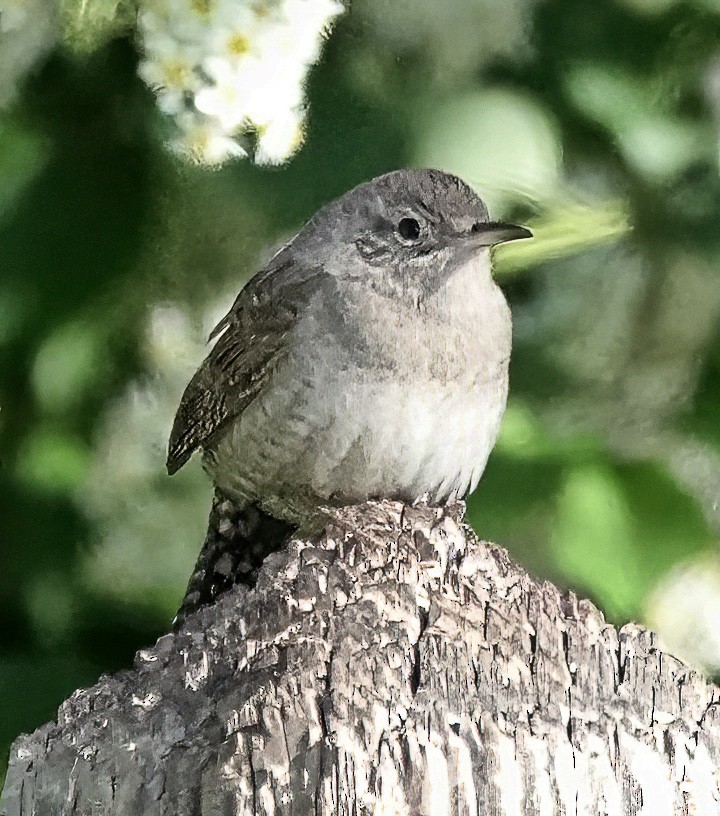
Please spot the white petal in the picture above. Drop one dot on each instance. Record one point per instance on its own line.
(279, 140)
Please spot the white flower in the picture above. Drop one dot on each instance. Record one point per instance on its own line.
(228, 67)
(279, 139)
(234, 32)
(171, 73)
(204, 141)
(225, 100)
(186, 21)
(309, 22)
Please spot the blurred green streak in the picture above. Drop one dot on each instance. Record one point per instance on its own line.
(563, 232)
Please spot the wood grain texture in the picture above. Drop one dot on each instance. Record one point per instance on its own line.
(397, 665)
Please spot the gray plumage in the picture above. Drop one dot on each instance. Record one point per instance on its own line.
(369, 358)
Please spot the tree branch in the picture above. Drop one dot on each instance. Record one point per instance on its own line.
(396, 665)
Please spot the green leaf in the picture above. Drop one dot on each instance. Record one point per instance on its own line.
(89, 24)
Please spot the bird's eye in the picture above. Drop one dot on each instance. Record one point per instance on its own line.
(409, 229)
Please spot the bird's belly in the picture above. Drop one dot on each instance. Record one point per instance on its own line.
(406, 440)
(361, 440)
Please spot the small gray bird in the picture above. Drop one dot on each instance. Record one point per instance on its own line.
(368, 359)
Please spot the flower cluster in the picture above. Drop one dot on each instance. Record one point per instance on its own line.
(229, 69)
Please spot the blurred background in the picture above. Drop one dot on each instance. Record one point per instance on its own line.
(598, 124)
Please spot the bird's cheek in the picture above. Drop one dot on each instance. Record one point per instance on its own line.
(433, 278)
(371, 250)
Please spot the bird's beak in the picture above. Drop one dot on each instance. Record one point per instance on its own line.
(487, 234)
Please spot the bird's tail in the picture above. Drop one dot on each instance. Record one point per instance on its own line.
(239, 538)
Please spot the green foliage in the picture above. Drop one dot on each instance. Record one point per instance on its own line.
(51, 462)
(21, 158)
(90, 24)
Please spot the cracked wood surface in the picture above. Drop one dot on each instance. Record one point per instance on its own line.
(397, 665)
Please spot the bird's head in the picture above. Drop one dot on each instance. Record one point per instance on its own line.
(404, 231)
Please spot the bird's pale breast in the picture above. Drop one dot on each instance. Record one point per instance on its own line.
(416, 413)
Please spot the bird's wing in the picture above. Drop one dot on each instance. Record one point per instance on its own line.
(252, 340)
